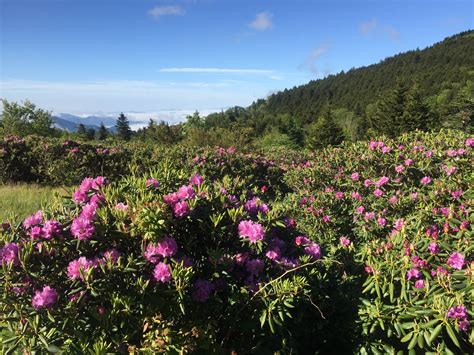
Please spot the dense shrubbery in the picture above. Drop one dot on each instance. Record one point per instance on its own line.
(364, 248)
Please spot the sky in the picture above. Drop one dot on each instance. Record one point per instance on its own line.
(100, 56)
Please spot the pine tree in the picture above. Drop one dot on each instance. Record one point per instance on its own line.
(123, 128)
(82, 131)
(90, 134)
(102, 135)
(324, 131)
(388, 116)
(417, 114)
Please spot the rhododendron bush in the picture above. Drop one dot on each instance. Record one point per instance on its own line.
(366, 248)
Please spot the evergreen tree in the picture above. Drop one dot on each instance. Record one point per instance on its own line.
(324, 131)
(388, 116)
(90, 134)
(82, 131)
(103, 133)
(417, 114)
(123, 128)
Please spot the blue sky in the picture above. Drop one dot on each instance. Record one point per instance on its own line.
(86, 56)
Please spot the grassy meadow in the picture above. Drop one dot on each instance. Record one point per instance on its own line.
(19, 201)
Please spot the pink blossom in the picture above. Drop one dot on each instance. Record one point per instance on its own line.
(185, 192)
(196, 179)
(344, 241)
(89, 211)
(181, 209)
(399, 168)
(381, 221)
(367, 182)
(356, 196)
(82, 228)
(171, 198)
(456, 260)
(469, 142)
(425, 180)
(166, 247)
(302, 240)
(51, 228)
(408, 162)
(433, 247)
(413, 273)
(457, 312)
(121, 206)
(162, 272)
(457, 194)
(393, 200)
(36, 232)
(382, 181)
(76, 266)
(420, 283)
(111, 255)
(9, 254)
(45, 298)
(33, 220)
(386, 149)
(355, 176)
(399, 224)
(313, 250)
(339, 195)
(360, 209)
(151, 182)
(378, 193)
(251, 231)
(273, 253)
(369, 215)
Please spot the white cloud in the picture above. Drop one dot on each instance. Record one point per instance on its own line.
(262, 22)
(367, 27)
(129, 95)
(216, 70)
(159, 11)
(310, 61)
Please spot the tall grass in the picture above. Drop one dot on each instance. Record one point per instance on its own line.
(19, 201)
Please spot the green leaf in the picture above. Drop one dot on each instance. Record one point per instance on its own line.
(406, 337)
(435, 332)
(452, 335)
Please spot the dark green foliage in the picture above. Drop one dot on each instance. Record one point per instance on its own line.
(123, 128)
(102, 134)
(324, 131)
(82, 131)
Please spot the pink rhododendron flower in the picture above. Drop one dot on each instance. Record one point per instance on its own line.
(151, 182)
(9, 254)
(469, 142)
(196, 179)
(456, 260)
(408, 162)
(399, 224)
(251, 231)
(181, 209)
(33, 220)
(381, 221)
(420, 283)
(369, 215)
(433, 247)
(360, 209)
(393, 200)
(121, 206)
(82, 228)
(171, 198)
(399, 168)
(273, 253)
(45, 298)
(111, 255)
(339, 195)
(457, 312)
(89, 211)
(378, 193)
(302, 240)
(355, 176)
(425, 180)
(36, 232)
(382, 181)
(314, 250)
(413, 273)
(356, 196)
(386, 149)
(51, 228)
(185, 192)
(166, 247)
(344, 241)
(162, 272)
(367, 182)
(76, 266)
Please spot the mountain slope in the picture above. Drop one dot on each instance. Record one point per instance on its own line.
(434, 69)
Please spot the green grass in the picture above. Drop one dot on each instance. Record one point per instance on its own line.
(19, 201)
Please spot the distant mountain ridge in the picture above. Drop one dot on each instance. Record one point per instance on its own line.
(71, 123)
